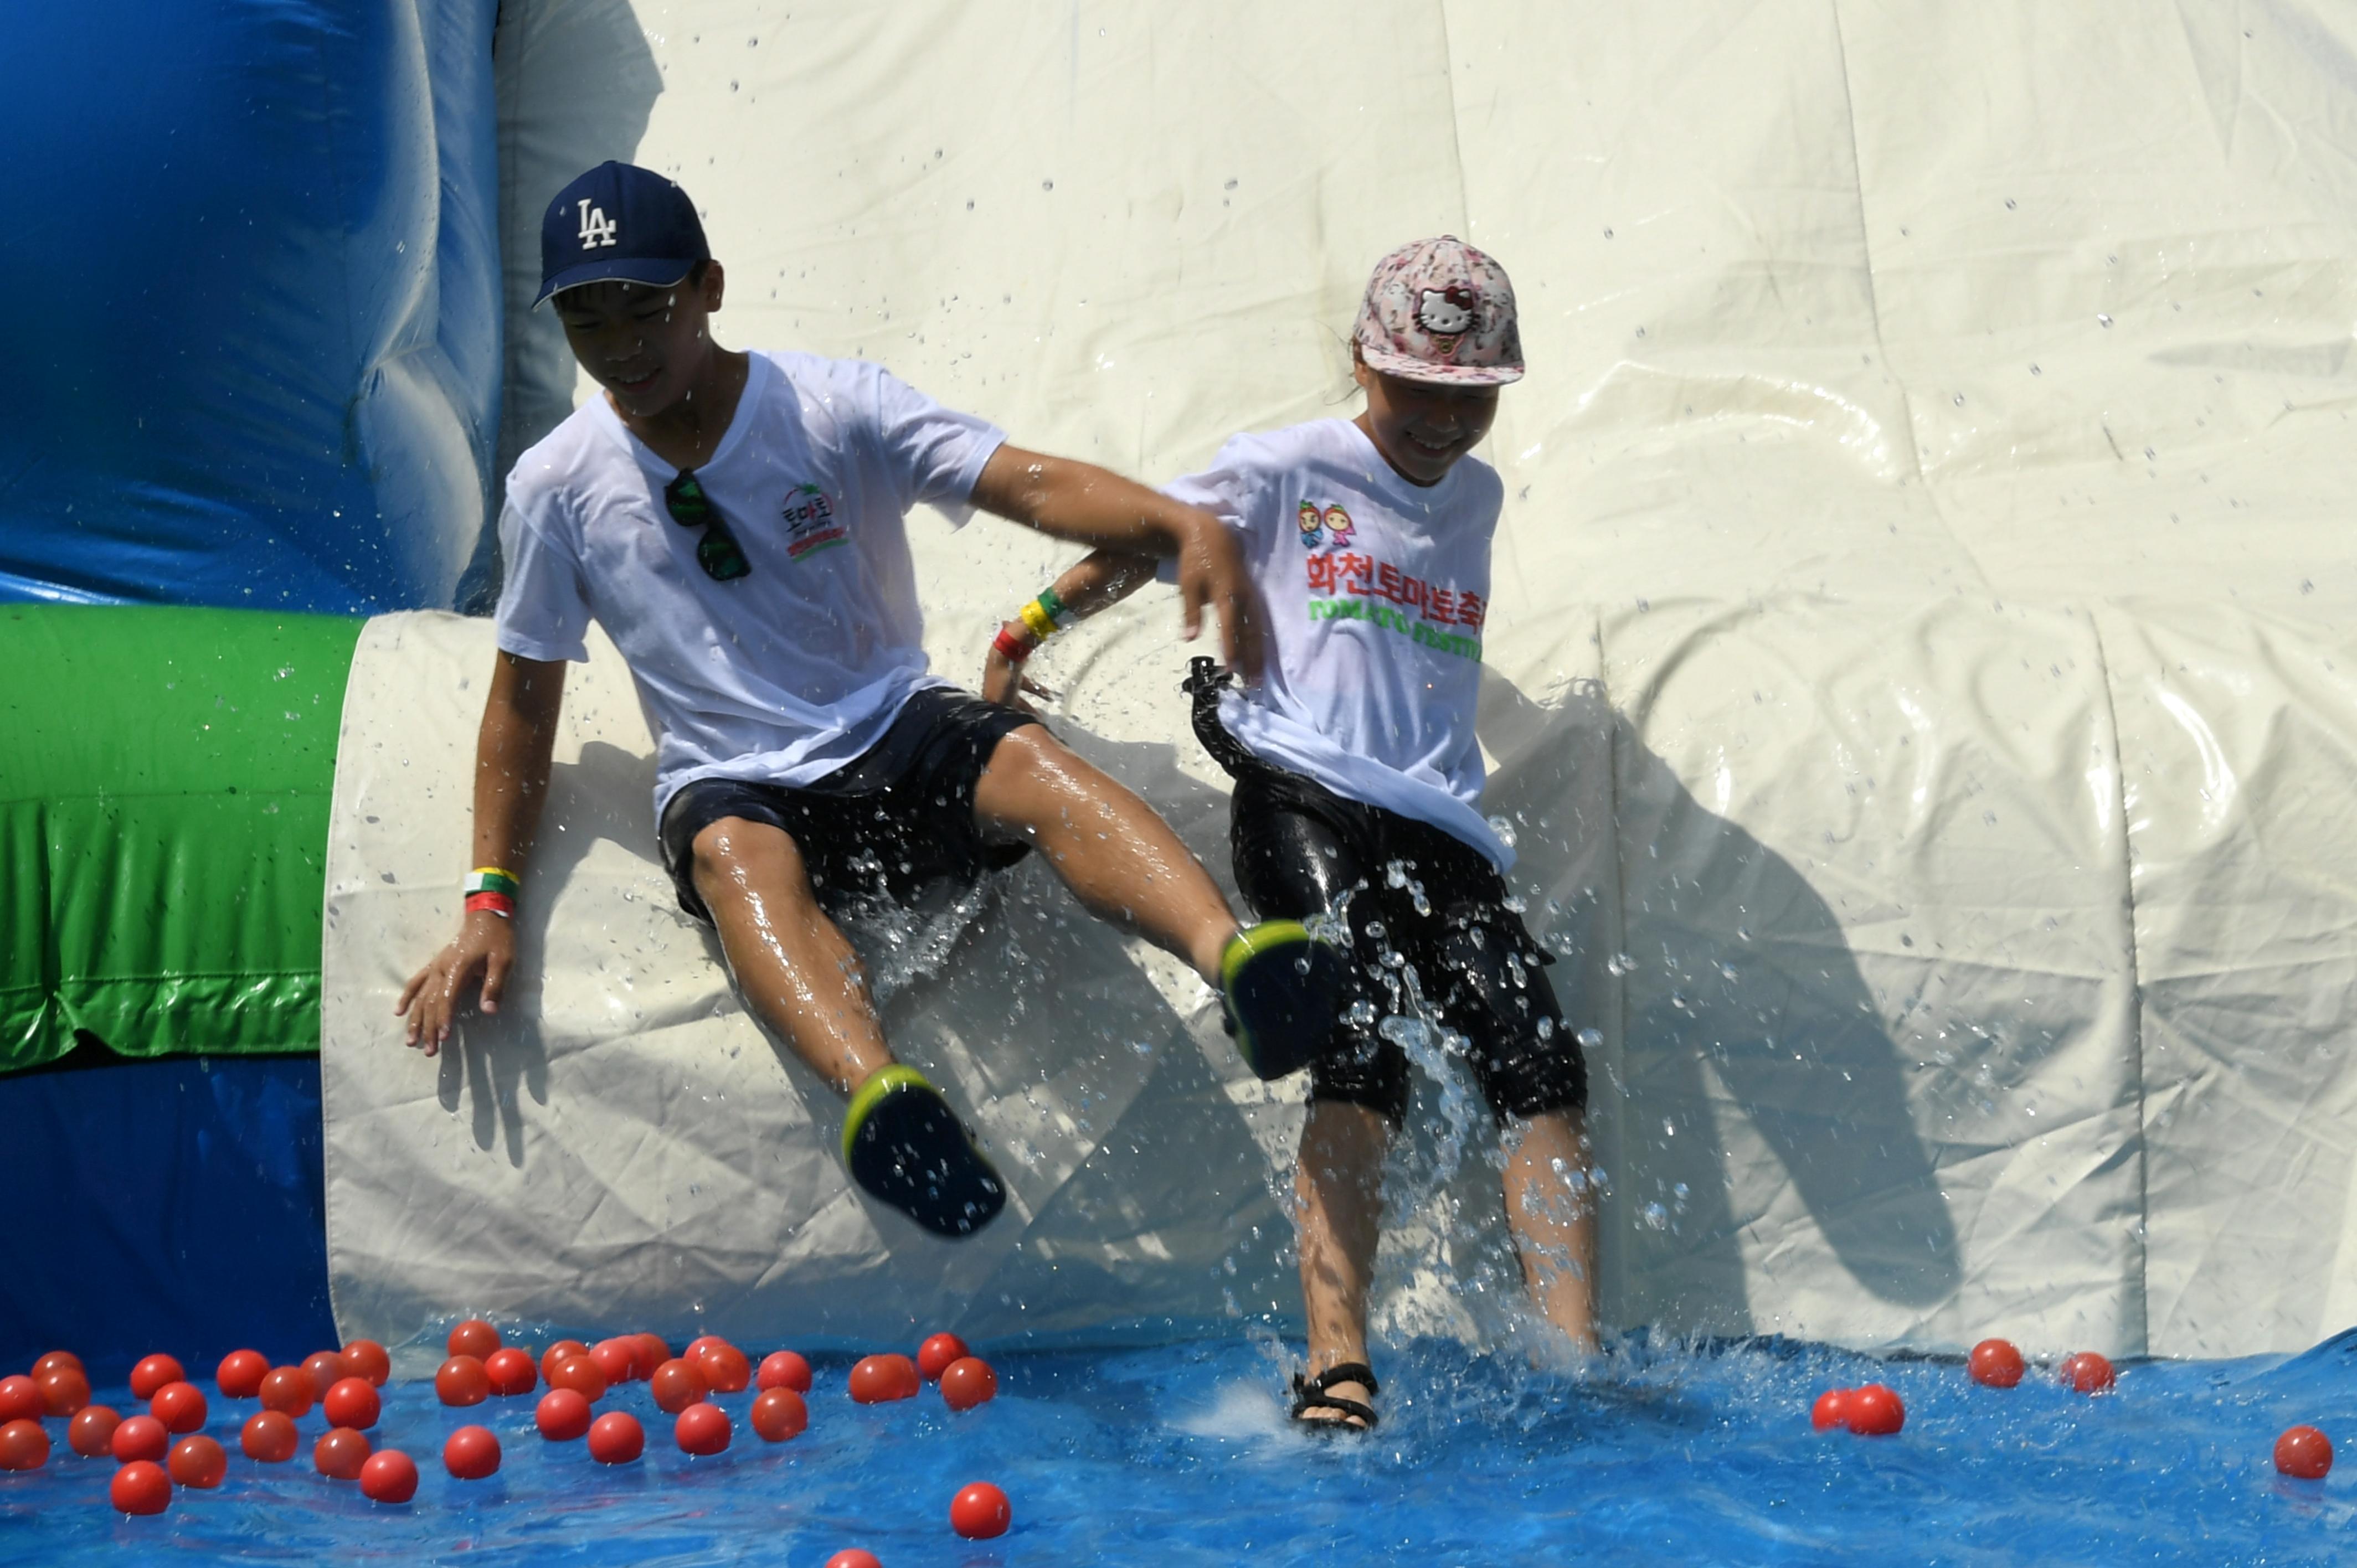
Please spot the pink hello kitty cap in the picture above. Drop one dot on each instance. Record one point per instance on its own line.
(1438, 310)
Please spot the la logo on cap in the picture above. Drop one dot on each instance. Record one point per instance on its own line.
(597, 229)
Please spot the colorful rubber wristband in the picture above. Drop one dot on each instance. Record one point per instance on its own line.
(1035, 616)
(1014, 647)
(498, 904)
(1052, 605)
(493, 880)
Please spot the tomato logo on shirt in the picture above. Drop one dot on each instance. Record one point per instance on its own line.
(811, 523)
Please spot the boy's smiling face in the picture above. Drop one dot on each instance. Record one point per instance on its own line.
(646, 345)
(1422, 428)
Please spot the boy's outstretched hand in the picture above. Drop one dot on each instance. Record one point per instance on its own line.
(1090, 505)
(485, 947)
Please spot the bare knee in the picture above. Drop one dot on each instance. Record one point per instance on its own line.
(734, 854)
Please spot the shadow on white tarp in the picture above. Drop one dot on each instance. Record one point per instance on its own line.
(1917, 669)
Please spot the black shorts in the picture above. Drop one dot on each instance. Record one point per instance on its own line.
(1418, 901)
(885, 825)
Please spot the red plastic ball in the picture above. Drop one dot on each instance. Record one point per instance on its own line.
(140, 1438)
(934, 1355)
(581, 1375)
(967, 1382)
(616, 1360)
(326, 1368)
(475, 1338)
(676, 1385)
(875, 1380)
(779, 1414)
(617, 1438)
(511, 1372)
(367, 1359)
(91, 1431)
(64, 1391)
(980, 1511)
(726, 1370)
(471, 1452)
(556, 1355)
(1831, 1411)
(702, 1429)
(389, 1475)
(2304, 1452)
(140, 1486)
(1995, 1364)
(699, 1345)
(21, 1399)
(179, 1406)
(56, 1358)
(783, 1370)
(351, 1401)
(24, 1445)
(854, 1557)
(288, 1390)
(2088, 1373)
(1875, 1410)
(462, 1382)
(152, 1373)
(241, 1374)
(653, 1353)
(197, 1462)
(339, 1454)
(269, 1437)
(562, 1415)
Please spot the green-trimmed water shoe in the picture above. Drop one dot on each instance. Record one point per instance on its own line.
(903, 1143)
(1282, 987)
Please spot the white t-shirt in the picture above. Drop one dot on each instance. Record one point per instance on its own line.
(1377, 591)
(791, 672)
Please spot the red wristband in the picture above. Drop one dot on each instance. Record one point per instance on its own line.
(498, 904)
(1014, 647)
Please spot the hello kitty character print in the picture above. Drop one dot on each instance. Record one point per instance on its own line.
(1438, 310)
(1324, 525)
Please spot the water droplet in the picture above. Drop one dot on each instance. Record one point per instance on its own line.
(2102, 320)
(1960, 399)
(1546, 1028)
(1655, 1216)
(1047, 185)
(1504, 829)
(1591, 1038)
(2035, 371)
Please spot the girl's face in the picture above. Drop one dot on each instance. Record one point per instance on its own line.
(1421, 428)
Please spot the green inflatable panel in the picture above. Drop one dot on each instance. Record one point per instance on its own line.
(164, 791)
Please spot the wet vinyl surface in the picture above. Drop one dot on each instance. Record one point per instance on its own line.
(1180, 1454)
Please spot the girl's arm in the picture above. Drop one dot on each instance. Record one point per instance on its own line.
(1102, 578)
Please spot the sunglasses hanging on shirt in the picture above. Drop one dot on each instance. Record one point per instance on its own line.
(722, 558)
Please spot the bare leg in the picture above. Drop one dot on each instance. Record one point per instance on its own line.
(1550, 1209)
(1339, 1185)
(791, 963)
(1121, 861)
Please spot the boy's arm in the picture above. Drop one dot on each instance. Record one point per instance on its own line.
(1084, 503)
(512, 756)
(1097, 581)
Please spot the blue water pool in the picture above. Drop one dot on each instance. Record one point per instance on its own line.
(1179, 1454)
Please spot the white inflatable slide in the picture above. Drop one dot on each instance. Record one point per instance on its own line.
(1922, 679)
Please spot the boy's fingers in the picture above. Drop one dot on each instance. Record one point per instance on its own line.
(409, 993)
(495, 982)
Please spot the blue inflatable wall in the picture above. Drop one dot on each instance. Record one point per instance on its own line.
(250, 252)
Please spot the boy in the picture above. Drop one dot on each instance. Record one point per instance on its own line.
(735, 522)
(1359, 782)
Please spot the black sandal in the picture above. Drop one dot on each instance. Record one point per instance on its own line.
(1309, 1393)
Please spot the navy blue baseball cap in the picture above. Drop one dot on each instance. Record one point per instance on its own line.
(618, 220)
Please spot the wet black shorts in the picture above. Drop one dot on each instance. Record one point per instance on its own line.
(1419, 900)
(893, 821)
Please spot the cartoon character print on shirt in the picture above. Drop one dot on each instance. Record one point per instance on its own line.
(1448, 313)
(812, 523)
(1324, 525)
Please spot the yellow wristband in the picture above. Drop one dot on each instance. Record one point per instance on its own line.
(1035, 616)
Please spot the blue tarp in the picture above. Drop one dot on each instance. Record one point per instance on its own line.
(174, 1205)
(251, 255)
